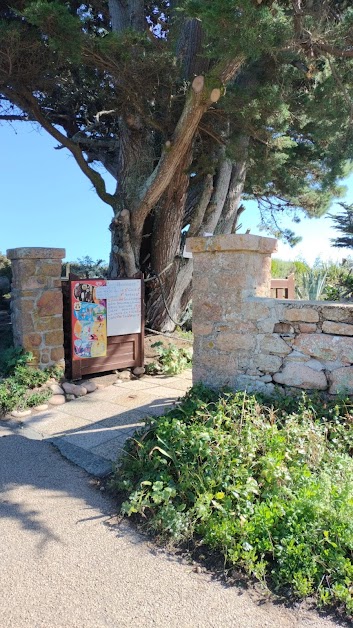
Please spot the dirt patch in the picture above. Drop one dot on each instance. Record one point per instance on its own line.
(175, 338)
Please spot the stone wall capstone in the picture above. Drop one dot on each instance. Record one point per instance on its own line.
(245, 340)
(36, 302)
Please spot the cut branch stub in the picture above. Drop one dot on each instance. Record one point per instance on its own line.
(198, 84)
(215, 94)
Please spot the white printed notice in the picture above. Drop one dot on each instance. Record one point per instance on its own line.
(123, 306)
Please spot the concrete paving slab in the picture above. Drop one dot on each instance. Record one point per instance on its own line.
(164, 391)
(91, 462)
(136, 384)
(176, 382)
(92, 410)
(89, 437)
(112, 449)
(187, 374)
(147, 401)
(50, 423)
(113, 394)
(132, 418)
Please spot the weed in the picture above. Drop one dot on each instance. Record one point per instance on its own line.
(171, 359)
(23, 388)
(266, 482)
(10, 357)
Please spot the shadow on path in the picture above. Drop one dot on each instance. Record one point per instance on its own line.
(33, 468)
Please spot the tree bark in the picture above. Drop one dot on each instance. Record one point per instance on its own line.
(219, 196)
(165, 250)
(228, 219)
(126, 14)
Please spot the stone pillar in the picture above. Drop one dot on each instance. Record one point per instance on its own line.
(229, 272)
(37, 305)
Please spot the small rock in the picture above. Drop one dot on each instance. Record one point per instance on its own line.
(19, 414)
(74, 389)
(124, 375)
(57, 400)
(70, 397)
(41, 407)
(56, 389)
(139, 370)
(341, 380)
(301, 376)
(90, 386)
(198, 569)
(266, 379)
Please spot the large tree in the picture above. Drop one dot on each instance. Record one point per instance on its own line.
(192, 106)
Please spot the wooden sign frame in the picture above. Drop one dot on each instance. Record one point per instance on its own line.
(123, 351)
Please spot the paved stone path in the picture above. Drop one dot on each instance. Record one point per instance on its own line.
(91, 430)
(64, 560)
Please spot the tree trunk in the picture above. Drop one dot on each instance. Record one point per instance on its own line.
(232, 208)
(165, 259)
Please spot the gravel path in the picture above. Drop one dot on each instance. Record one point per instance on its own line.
(64, 564)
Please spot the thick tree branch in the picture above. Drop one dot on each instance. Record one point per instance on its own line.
(230, 213)
(218, 199)
(332, 50)
(29, 103)
(199, 99)
(14, 118)
(200, 209)
(125, 250)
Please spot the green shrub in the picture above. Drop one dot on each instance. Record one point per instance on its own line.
(268, 483)
(12, 357)
(23, 387)
(171, 359)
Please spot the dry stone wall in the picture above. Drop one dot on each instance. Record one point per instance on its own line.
(245, 340)
(36, 302)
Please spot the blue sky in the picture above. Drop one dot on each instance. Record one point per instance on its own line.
(47, 201)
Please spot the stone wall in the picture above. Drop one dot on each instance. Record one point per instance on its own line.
(245, 340)
(36, 302)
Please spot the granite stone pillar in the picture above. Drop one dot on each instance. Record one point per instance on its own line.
(229, 272)
(37, 305)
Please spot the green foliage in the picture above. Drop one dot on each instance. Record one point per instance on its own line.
(312, 284)
(284, 76)
(280, 269)
(61, 29)
(344, 224)
(238, 33)
(268, 483)
(12, 357)
(23, 386)
(339, 286)
(172, 360)
(15, 395)
(5, 267)
(86, 267)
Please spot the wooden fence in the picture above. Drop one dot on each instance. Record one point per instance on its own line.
(283, 288)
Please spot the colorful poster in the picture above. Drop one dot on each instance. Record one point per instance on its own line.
(88, 319)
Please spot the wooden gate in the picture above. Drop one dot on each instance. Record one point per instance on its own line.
(122, 350)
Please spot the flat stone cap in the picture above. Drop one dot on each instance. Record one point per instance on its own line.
(39, 252)
(232, 242)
